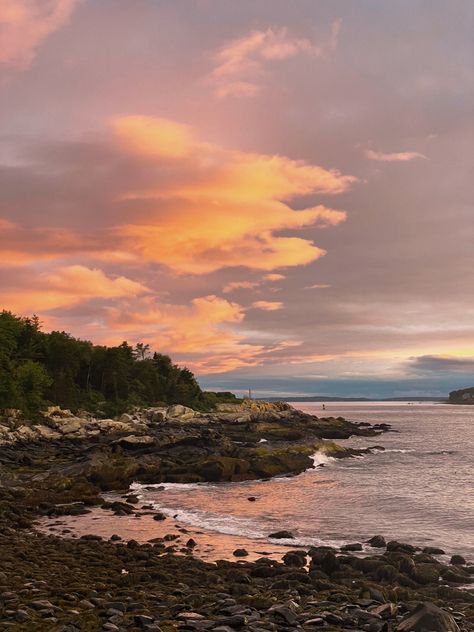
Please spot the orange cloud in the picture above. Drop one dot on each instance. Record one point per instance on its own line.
(237, 285)
(200, 331)
(241, 62)
(66, 287)
(190, 206)
(25, 24)
(402, 156)
(224, 207)
(155, 137)
(269, 306)
(274, 277)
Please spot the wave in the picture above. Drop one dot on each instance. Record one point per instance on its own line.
(226, 524)
(322, 459)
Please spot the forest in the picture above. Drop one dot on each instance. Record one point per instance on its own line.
(39, 369)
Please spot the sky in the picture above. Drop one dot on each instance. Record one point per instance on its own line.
(277, 194)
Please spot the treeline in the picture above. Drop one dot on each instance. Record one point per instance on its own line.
(38, 369)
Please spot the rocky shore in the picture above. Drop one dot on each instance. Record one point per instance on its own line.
(63, 464)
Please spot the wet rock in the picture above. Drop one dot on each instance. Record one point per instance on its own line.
(240, 553)
(457, 560)
(281, 535)
(428, 617)
(394, 545)
(295, 558)
(159, 517)
(433, 550)
(356, 546)
(378, 541)
(285, 613)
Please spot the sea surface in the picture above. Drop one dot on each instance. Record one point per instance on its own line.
(420, 489)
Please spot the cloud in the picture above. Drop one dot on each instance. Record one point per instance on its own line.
(317, 286)
(222, 208)
(25, 24)
(241, 62)
(238, 285)
(64, 287)
(199, 332)
(155, 137)
(402, 156)
(268, 306)
(274, 277)
(91, 229)
(441, 364)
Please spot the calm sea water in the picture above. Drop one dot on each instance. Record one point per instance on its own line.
(419, 490)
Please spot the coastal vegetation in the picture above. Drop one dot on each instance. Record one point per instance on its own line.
(38, 369)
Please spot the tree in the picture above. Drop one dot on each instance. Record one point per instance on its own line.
(32, 380)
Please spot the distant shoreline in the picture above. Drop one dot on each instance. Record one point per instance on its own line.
(322, 398)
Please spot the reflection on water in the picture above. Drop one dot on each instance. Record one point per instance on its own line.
(420, 489)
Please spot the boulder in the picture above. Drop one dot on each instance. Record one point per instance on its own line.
(72, 425)
(46, 433)
(428, 618)
(282, 535)
(378, 541)
(135, 441)
(177, 411)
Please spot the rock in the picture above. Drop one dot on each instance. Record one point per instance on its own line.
(356, 546)
(46, 433)
(251, 499)
(426, 573)
(72, 425)
(159, 517)
(135, 441)
(143, 620)
(455, 578)
(115, 538)
(285, 613)
(234, 621)
(182, 412)
(428, 618)
(433, 550)
(394, 545)
(282, 535)
(378, 541)
(190, 544)
(126, 418)
(42, 604)
(240, 553)
(295, 559)
(190, 616)
(457, 560)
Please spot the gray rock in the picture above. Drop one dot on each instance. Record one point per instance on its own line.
(280, 535)
(428, 618)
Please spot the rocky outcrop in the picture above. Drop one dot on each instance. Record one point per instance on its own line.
(462, 396)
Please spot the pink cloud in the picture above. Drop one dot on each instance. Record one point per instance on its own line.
(241, 62)
(25, 24)
(401, 156)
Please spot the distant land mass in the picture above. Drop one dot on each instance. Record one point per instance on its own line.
(323, 398)
(462, 396)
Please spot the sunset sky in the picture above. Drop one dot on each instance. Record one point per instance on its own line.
(277, 193)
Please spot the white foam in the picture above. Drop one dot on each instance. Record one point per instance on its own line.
(320, 458)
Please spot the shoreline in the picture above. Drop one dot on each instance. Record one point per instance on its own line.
(66, 584)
